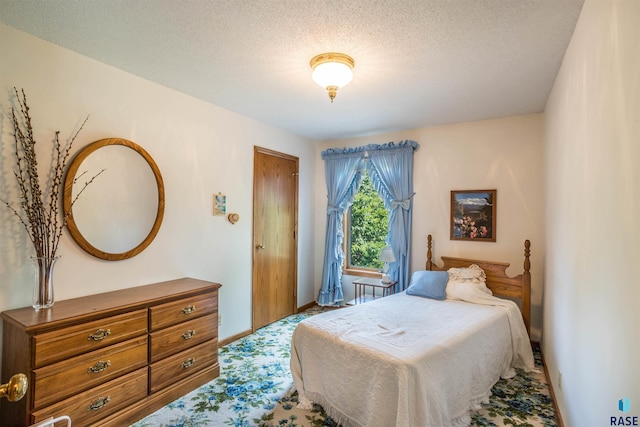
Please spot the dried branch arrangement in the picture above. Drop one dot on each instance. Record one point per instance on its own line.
(39, 212)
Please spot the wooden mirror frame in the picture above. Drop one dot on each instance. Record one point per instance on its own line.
(68, 199)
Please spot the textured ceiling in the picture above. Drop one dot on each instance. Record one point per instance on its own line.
(418, 62)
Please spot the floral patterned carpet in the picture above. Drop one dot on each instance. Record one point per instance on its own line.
(255, 389)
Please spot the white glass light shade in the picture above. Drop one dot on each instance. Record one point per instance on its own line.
(332, 74)
(386, 255)
(332, 71)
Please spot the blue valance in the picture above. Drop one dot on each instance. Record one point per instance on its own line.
(370, 149)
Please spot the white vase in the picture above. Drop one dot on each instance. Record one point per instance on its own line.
(43, 289)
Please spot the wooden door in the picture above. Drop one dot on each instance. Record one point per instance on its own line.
(275, 221)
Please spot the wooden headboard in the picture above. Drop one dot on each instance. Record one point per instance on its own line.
(497, 279)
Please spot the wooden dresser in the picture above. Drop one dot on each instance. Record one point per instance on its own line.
(110, 359)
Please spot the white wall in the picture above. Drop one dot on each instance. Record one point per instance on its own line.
(200, 149)
(592, 155)
(503, 154)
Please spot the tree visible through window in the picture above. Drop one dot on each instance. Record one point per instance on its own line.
(367, 228)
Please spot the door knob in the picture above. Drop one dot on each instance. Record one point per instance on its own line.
(15, 389)
(260, 246)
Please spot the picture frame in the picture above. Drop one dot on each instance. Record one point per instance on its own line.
(473, 215)
(219, 204)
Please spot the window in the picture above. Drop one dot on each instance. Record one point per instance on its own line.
(366, 229)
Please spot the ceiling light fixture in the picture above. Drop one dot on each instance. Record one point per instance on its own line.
(332, 71)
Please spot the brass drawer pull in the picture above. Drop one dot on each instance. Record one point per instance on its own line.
(189, 309)
(99, 335)
(188, 335)
(99, 403)
(188, 363)
(99, 367)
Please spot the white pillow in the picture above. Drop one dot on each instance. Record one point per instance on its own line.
(465, 291)
(464, 282)
(473, 273)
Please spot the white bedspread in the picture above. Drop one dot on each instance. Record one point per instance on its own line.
(407, 361)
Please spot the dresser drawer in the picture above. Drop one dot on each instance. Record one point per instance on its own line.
(63, 343)
(182, 336)
(178, 311)
(63, 379)
(96, 403)
(181, 365)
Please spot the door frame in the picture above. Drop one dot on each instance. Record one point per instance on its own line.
(294, 292)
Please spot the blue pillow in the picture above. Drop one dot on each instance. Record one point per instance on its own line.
(429, 284)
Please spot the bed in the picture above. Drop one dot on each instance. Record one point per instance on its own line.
(406, 360)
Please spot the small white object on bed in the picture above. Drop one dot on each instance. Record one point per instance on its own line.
(406, 360)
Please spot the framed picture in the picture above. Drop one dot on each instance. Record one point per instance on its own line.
(219, 204)
(473, 215)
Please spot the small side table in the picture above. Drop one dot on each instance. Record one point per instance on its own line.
(361, 285)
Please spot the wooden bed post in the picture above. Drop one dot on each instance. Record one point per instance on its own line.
(429, 254)
(526, 281)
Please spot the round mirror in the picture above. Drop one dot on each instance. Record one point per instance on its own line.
(114, 196)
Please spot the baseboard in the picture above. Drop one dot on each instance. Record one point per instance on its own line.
(551, 392)
(233, 338)
(243, 334)
(306, 306)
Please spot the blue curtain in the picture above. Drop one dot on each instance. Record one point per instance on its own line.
(390, 167)
(343, 174)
